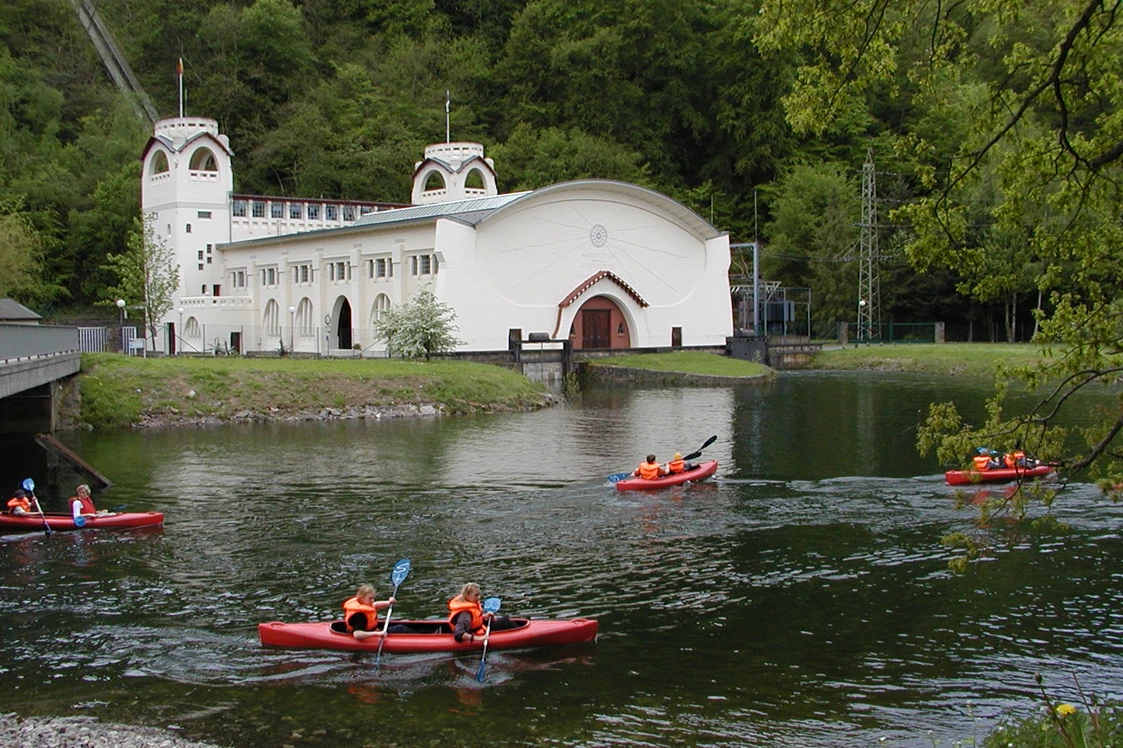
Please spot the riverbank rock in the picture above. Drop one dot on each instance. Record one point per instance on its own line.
(85, 732)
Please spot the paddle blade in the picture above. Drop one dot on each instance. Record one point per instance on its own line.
(480, 672)
(79, 521)
(28, 484)
(400, 572)
(617, 477)
(708, 442)
(491, 605)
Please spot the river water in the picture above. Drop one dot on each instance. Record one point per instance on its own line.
(800, 599)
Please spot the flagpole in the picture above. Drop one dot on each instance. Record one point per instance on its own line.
(179, 75)
(448, 101)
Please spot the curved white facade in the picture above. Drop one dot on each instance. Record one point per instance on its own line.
(605, 263)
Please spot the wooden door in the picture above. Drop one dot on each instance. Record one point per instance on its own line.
(596, 325)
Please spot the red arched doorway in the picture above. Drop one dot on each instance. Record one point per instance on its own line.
(599, 323)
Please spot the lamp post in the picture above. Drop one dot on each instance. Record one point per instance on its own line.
(862, 333)
(179, 333)
(124, 314)
(292, 323)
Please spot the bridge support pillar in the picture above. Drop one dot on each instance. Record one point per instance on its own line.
(32, 411)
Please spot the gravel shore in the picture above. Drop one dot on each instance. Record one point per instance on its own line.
(85, 732)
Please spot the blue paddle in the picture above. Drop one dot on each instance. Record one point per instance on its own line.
(397, 576)
(29, 486)
(617, 477)
(491, 605)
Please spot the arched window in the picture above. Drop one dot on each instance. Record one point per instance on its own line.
(474, 180)
(159, 164)
(272, 319)
(203, 160)
(191, 329)
(434, 181)
(381, 304)
(305, 322)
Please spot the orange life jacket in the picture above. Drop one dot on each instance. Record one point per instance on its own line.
(649, 470)
(20, 501)
(982, 462)
(458, 605)
(676, 466)
(1015, 459)
(87, 505)
(353, 606)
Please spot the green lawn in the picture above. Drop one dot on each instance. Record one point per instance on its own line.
(117, 390)
(964, 359)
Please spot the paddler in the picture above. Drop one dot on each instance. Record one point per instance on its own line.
(650, 469)
(360, 612)
(467, 617)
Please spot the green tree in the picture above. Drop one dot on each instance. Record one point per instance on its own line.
(147, 276)
(420, 327)
(813, 235)
(1043, 147)
(21, 249)
(531, 159)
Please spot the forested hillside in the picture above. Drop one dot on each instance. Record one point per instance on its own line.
(339, 97)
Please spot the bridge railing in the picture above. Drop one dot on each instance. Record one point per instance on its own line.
(28, 341)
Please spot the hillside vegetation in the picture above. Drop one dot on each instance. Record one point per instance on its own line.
(705, 100)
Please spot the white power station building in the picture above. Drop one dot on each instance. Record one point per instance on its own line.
(603, 264)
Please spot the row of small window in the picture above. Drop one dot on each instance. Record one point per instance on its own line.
(299, 211)
(341, 271)
(210, 251)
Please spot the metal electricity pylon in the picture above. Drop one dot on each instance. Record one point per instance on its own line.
(869, 271)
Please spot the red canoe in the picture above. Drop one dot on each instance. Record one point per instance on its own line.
(528, 633)
(700, 472)
(116, 521)
(995, 475)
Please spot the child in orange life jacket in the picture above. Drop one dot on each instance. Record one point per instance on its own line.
(649, 469)
(360, 613)
(467, 617)
(19, 504)
(679, 465)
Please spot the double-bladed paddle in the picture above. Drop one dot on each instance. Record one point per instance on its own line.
(397, 576)
(695, 455)
(29, 486)
(491, 605)
(617, 477)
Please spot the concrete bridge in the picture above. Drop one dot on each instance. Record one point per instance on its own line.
(34, 361)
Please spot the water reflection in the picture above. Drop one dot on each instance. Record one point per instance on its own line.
(801, 598)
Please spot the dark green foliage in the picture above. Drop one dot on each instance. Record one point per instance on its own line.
(338, 99)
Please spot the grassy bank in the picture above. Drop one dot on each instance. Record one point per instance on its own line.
(118, 390)
(957, 359)
(688, 362)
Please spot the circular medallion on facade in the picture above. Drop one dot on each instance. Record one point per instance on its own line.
(598, 235)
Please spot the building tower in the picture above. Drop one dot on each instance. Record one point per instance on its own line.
(185, 185)
(453, 171)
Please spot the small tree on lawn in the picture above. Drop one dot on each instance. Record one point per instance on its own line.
(420, 327)
(147, 275)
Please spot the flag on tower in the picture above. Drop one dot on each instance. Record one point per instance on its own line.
(179, 79)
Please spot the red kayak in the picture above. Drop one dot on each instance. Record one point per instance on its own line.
(700, 472)
(995, 475)
(113, 521)
(430, 636)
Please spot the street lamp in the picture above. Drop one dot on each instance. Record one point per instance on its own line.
(179, 332)
(292, 324)
(862, 334)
